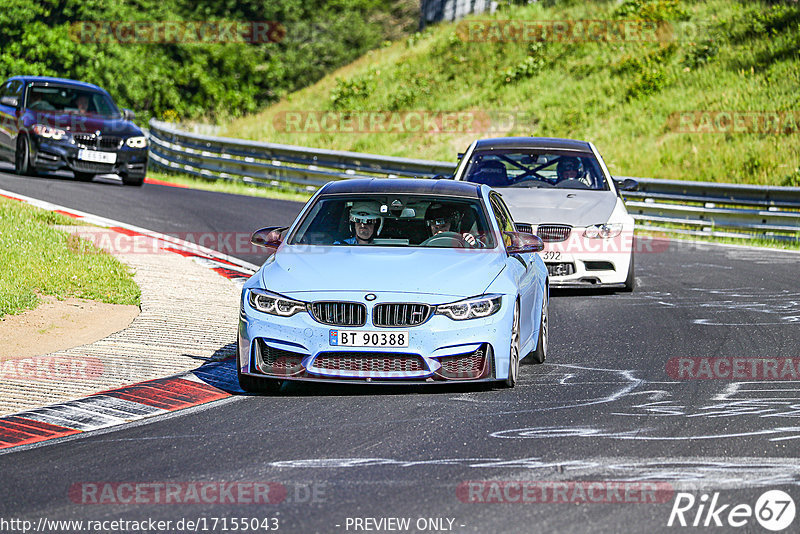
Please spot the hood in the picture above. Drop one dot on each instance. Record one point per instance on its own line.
(576, 207)
(451, 272)
(84, 123)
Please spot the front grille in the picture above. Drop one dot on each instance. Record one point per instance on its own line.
(90, 166)
(553, 233)
(339, 313)
(464, 366)
(524, 227)
(278, 361)
(560, 269)
(369, 362)
(103, 142)
(400, 314)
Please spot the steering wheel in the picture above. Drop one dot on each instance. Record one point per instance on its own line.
(572, 183)
(446, 239)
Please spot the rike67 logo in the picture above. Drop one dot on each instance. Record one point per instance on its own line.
(774, 510)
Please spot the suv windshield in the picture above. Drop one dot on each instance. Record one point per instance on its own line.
(535, 168)
(395, 220)
(76, 100)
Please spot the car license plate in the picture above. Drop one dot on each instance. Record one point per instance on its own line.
(96, 156)
(360, 338)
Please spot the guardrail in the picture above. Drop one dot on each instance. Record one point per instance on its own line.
(697, 208)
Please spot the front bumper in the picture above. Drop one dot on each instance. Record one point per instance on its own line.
(51, 155)
(439, 350)
(607, 266)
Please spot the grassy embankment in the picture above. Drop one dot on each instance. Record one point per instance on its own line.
(37, 259)
(729, 56)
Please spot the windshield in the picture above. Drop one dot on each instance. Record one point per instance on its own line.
(535, 168)
(76, 100)
(395, 220)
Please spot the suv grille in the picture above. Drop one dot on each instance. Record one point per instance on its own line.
(110, 142)
(400, 314)
(339, 313)
(369, 362)
(553, 233)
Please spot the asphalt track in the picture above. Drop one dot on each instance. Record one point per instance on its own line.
(602, 409)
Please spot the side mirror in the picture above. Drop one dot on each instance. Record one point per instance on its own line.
(269, 237)
(524, 243)
(10, 101)
(628, 184)
(128, 115)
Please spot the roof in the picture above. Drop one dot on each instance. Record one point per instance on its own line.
(533, 142)
(403, 186)
(58, 81)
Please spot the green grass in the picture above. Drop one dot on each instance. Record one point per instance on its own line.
(37, 259)
(621, 96)
(225, 186)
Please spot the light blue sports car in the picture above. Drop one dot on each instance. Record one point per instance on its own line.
(394, 281)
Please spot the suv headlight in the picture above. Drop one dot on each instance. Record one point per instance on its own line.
(274, 304)
(471, 308)
(49, 132)
(603, 231)
(136, 142)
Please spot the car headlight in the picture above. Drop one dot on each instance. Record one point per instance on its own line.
(274, 304)
(603, 231)
(471, 308)
(136, 142)
(49, 132)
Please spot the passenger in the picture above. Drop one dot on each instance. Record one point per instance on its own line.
(366, 223)
(442, 218)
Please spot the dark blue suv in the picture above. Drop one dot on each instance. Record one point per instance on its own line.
(53, 123)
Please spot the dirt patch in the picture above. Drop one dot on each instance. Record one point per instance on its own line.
(61, 324)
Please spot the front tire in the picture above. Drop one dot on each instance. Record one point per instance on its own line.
(136, 182)
(630, 281)
(22, 157)
(540, 354)
(513, 364)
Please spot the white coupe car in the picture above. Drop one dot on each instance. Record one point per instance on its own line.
(562, 189)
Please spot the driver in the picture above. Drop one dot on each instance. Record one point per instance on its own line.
(569, 168)
(442, 218)
(366, 222)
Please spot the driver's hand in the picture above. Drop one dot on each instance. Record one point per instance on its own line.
(469, 238)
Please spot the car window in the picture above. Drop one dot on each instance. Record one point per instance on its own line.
(395, 220)
(75, 100)
(504, 219)
(11, 88)
(536, 168)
